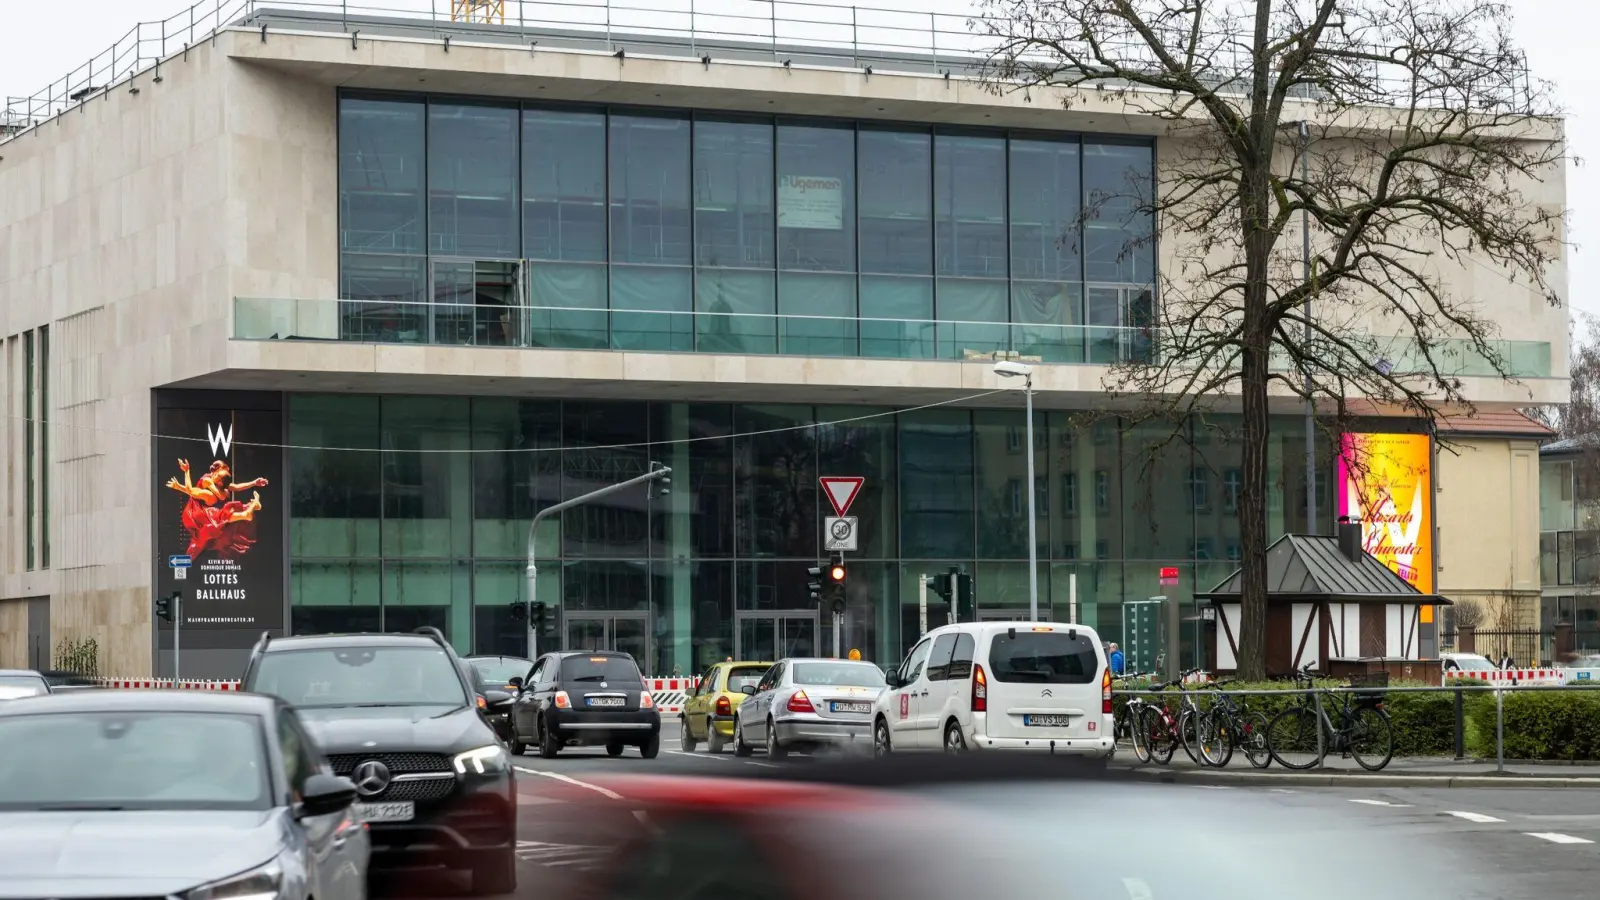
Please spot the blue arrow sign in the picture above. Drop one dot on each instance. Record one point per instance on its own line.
(179, 561)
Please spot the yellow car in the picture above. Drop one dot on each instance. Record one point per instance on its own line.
(708, 713)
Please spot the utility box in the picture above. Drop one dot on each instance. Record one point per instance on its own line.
(1144, 632)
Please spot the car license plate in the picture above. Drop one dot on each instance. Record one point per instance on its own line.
(389, 812)
(1047, 721)
(838, 707)
(605, 701)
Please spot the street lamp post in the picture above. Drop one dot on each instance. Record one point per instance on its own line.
(1008, 369)
(656, 471)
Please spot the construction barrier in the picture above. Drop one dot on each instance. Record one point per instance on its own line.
(669, 694)
(1517, 676)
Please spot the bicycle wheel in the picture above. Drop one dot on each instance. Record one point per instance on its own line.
(1189, 734)
(1141, 738)
(1253, 738)
(1292, 738)
(1371, 738)
(1217, 735)
(1158, 733)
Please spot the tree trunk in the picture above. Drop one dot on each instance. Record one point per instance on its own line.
(1252, 659)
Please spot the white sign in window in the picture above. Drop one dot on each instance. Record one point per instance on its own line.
(806, 201)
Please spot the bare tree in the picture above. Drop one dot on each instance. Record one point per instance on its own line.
(1407, 133)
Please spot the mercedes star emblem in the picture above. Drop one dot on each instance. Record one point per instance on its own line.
(372, 777)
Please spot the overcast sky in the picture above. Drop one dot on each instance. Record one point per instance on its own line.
(50, 39)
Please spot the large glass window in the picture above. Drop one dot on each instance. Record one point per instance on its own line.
(516, 471)
(936, 484)
(336, 497)
(1555, 496)
(29, 426)
(775, 474)
(896, 227)
(564, 226)
(472, 181)
(867, 448)
(969, 204)
(1002, 474)
(817, 239)
(1118, 186)
(1046, 249)
(381, 175)
(615, 526)
(427, 479)
(650, 224)
(735, 288)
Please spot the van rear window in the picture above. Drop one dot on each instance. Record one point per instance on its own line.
(1043, 657)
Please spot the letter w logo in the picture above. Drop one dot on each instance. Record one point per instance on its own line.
(219, 439)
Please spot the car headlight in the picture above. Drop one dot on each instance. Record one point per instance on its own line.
(482, 761)
(261, 883)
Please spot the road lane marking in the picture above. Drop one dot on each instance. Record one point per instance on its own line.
(1557, 838)
(573, 781)
(764, 765)
(712, 756)
(1281, 790)
(1480, 818)
(1383, 803)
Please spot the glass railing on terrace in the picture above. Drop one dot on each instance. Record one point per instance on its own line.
(567, 328)
(1458, 357)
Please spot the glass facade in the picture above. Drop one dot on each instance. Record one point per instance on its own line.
(496, 223)
(421, 518)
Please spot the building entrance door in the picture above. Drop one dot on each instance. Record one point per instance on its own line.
(771, 636)
(625, 632)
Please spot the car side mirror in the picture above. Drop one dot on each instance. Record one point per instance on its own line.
(892, 679)
(515, 682)
(496, 699)
(325, 794)
(748, 689)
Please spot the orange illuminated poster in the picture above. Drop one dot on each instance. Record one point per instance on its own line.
(1386, 483)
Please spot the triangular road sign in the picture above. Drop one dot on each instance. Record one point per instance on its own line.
(842, 491)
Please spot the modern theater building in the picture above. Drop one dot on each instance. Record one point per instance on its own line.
(391, 285)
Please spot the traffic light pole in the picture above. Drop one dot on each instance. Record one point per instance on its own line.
(533, 569)
(177, 631)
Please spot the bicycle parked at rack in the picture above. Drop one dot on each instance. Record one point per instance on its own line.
(1127, 713)
(1301, 736)
(1162, 730)
(1228, 726)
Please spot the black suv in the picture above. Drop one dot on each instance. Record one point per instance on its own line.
(584, 699)
(397, 714)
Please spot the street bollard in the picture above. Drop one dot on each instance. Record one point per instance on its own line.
(1499, 731)
(1461, 727)
(1322, 751)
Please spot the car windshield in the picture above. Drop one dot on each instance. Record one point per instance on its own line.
(599, 668)
(1472, 663)
(498, 671)
(132, 760)
(13, 687)
(423, 675)
(748, 676)
(853, 674)
(1043, 657)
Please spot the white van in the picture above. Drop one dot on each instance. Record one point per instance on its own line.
(1040, 686)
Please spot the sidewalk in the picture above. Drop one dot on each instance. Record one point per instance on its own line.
(1401, 772)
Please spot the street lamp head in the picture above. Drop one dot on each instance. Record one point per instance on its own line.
(1005, 368)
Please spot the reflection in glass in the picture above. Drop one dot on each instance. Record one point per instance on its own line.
(472, 181)
(427, 480)
(1002, 472)
(1118, 189)
(897, 314)
(334, 596)
(615, 526)
(1045, 209)
(516, 471)
(775, 478)
(564, 185)
(336, 498)
(650, 223)
(864, 447)
(936, 482)
(434, 593)
(896, 170)
(734, 235)
(381, 190)
(388, 299)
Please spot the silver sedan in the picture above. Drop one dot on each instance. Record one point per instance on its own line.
(808, 703)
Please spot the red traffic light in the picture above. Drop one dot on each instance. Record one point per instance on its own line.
(1169, 572)
(836, 574)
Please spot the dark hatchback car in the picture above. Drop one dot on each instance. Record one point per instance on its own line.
(585, 699)
(492, 678)
(397, 715)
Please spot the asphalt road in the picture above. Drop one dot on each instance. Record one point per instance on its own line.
(1500, 843)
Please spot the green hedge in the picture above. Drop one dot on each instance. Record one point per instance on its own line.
(1539, 725)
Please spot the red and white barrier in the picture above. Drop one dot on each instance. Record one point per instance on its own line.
(187, 684)
(1513, 676)
(671, 693)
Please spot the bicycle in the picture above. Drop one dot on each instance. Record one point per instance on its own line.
(1161, 729)
(1301, 736)
(1227, 726)
(1126, 722)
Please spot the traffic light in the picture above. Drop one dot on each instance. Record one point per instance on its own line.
(814, 584)
(940, 584)
(519, 610)
(165, 607)
(966, 611)
(537, 612)
(836, 571)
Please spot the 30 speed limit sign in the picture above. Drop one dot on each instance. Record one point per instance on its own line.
(839, 533)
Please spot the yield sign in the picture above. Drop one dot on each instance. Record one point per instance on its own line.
(842, 491)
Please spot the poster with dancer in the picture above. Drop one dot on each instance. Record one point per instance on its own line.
(220, 502)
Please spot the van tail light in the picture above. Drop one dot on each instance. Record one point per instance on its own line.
(646, 701)
(1105, 692)
(980, 689)
(724, 706)
(801, 703)
(562, 700)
